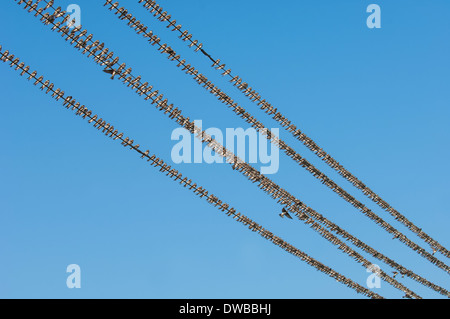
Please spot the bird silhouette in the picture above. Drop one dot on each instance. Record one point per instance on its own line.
(284, 212)
(110, 71)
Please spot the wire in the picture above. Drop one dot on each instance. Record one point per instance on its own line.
(251, 172)
(141, 29)
(163, 16)
(201, 79)
(70, 102)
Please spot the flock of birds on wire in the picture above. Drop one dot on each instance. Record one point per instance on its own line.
(79, 38)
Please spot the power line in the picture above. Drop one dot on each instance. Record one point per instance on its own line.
(254, 96)
(140, 28)
(85, 113)
(106, 58)
(143, 30)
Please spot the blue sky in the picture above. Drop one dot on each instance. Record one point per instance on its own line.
(375, 99)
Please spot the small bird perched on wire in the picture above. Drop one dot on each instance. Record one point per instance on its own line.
(395, 274)
(284, 212)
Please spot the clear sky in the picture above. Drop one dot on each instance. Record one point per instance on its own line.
(375, 99)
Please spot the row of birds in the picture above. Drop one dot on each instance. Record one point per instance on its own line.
(285, 213)
(162, 15)
(109, 69)
(112, 72)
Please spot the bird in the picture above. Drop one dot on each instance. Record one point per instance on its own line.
(184, 35)
(193, 43)
(51, 19)
(125, 141)
(285, 213)
(434, 251)
(94, 118)
(49, 4)
(25, 70)
(217, 62)
(72, 23)
(32, 75)
(28, 4)
(45, 85)
(111, 63)
(243, 86)
(4, 56)
(303, 216)
(220, 67)
(113, 72)
(395, 274)
(226, 72)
